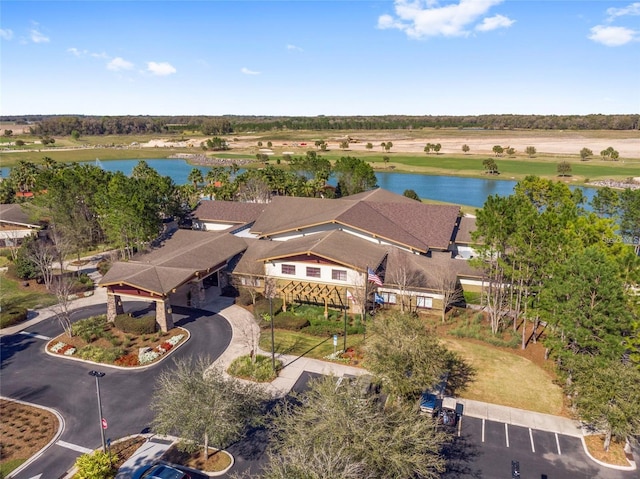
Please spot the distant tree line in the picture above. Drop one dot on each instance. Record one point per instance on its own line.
(62, 125)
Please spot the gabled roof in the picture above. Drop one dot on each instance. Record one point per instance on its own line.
(338, 246)
(155, 279)
(17, 214)
(232, 212)
(179, 258)
(467, 225)
(379, 213)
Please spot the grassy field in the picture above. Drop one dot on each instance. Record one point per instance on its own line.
(402, 157)
(508, 379)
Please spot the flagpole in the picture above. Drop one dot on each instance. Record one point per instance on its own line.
(346, 306)
(364, 306)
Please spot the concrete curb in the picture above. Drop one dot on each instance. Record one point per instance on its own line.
(631, 467)
(61, 425)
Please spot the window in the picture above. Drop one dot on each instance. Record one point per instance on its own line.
(288, 269)
(313, 272)
(425, 302)
(389, 298)
(338, 274)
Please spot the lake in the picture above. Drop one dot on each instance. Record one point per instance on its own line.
(450, 189)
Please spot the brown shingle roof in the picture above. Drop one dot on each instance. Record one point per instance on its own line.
(233, 212)
(409, 223)
(176, 261)
(17, 214)
(344, 248)
(467, 225)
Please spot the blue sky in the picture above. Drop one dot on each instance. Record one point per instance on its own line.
(332, 57)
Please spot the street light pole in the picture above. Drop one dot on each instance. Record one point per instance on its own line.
(98, 375)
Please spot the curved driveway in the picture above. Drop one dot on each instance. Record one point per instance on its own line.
(30, 374)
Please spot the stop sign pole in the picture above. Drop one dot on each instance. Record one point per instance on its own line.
(103, 422)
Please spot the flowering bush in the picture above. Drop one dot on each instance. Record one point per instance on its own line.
(173, 340)
(148, 356)
(63, 348)
(127, 360)
(164, 347)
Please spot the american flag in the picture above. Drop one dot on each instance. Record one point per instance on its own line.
(374, 278)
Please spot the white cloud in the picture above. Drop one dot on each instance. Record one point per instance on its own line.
(6, 34)
(294, 48)
(426, 18)
(612, 36)
(631, 9)
(160, 68)
(118, 64)
(75, 51)
(37, 36)
(246, 71)
(492, 23)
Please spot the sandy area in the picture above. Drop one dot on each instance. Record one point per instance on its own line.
(478, 144)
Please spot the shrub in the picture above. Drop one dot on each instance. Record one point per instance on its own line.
(290, 321)
(261, 370)
(99, 355)
(262, 306)
(244, 297)
(103, 266)
(82, 283)
(91, 328)
(129, 324)
(97, 465)
(12, 315)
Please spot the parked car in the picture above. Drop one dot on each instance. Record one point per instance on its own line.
(162, 471)
(429, 403)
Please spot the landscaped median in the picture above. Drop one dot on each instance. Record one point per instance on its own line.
(128, 342)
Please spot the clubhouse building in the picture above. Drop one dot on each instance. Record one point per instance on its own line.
(351, 253)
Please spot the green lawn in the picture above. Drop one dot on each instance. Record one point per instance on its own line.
(300, 344)
(12, 294)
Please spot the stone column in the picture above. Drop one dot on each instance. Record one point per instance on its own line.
(196, 288)
(164, 318)
(114, 306)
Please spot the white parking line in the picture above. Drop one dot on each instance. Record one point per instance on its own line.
(459, 426)
(558, 444)
(506, 433)
(483, 430)
(533, 448)
(74, 447)
(37, 336)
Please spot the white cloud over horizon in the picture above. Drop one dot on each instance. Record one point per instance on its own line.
(426, 18)
(294, 48)
(161, 68)
(119, 64)
(612, 36)
(246, 71)
(6, 34)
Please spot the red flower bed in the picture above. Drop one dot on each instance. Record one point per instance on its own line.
(127, 360)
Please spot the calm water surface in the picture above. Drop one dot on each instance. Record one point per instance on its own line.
(451, 189)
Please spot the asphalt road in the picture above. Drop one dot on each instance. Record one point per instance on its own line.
(29, 374)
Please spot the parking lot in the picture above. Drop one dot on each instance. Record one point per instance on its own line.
(484, 448)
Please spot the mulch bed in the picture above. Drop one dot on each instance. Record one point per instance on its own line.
(24, 430)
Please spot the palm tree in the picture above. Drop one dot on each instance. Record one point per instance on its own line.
(195, 177)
